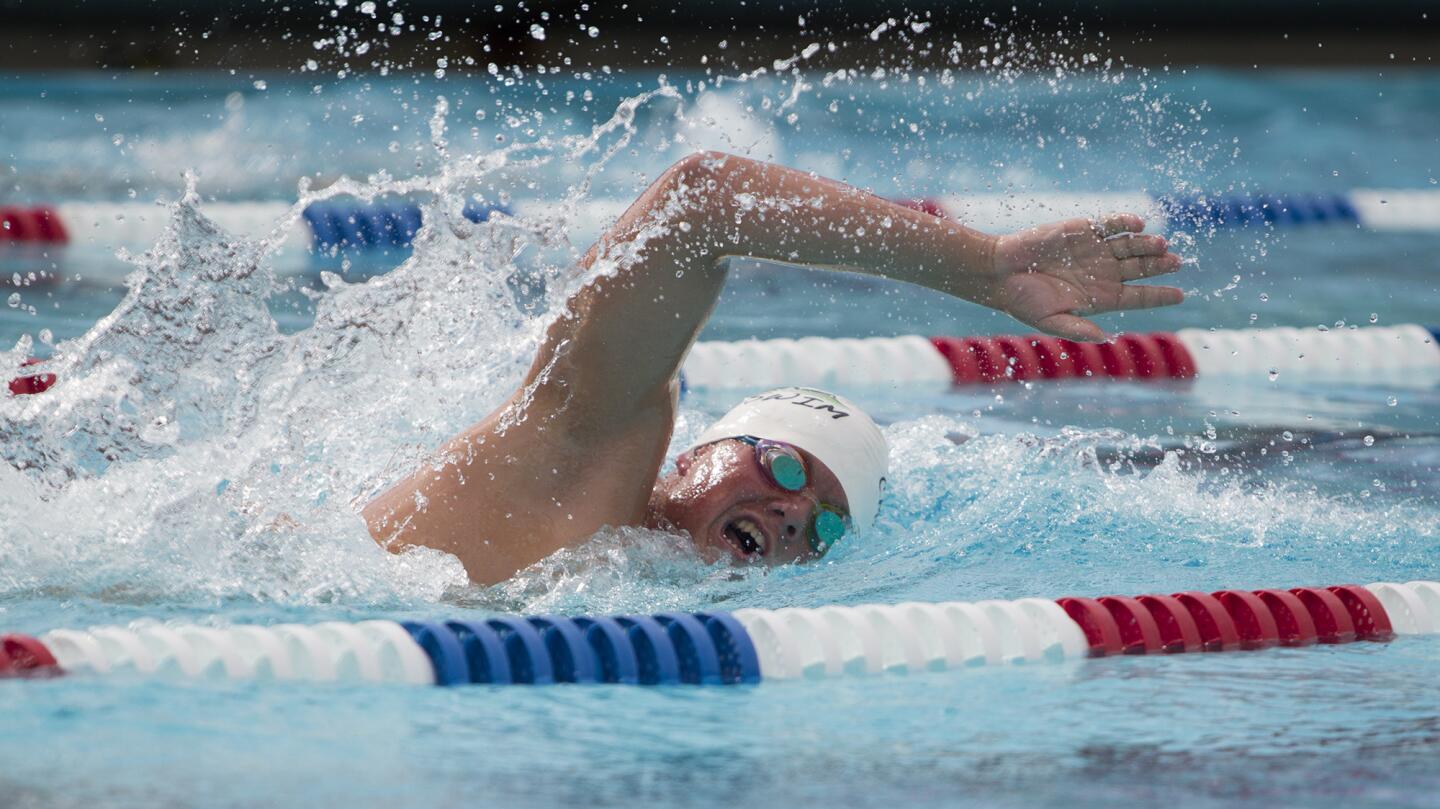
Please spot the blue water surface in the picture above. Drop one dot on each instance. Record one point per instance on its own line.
(1044, 490)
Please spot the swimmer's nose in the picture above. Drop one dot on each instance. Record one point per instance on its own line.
(787, 520)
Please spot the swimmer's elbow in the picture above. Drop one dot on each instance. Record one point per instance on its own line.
(704, 185)
(706, 171)
(706, 163)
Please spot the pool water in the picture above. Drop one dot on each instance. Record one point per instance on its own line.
(226, 389)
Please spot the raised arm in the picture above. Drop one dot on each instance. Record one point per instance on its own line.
(628, 332)
(578, 447)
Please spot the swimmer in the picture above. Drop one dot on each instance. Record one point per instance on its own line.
(786, 474)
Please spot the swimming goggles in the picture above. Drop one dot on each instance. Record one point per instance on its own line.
(782, 463)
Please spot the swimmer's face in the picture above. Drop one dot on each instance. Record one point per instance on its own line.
(721, 497)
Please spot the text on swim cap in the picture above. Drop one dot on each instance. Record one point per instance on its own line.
(813, 400)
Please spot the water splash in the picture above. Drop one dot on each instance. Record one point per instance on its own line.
(194, 451)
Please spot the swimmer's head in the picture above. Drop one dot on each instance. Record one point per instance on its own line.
(777, 478)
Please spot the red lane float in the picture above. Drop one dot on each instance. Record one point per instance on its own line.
(1252, 618)
(32, 384)
(1366, 613)
(1178, 630)
(1332, 619)
(1216, 627)
(24, 656)
(1034, 356)
(1098, 624)
(1229, 619)
(34, 225)
(1139, 634)
(1292, 619)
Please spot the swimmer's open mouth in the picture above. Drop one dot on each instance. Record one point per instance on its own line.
(745, 534)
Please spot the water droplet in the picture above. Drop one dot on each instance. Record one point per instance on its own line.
(14, 300)
(1374, 317)
(1392, 401)
(1274, 374)
(537, 31)
(260, 84)
(99, 118)
(593, 31)
(47, 337)
(1288, 436)
(1369, 440)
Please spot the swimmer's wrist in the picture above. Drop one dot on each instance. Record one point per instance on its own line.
(973, 270)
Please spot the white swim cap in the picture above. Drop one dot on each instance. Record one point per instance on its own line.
(827, 426)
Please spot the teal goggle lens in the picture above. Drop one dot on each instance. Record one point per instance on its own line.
(786, 469)
(829, 526)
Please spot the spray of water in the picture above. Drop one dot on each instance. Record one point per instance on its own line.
(194, 451)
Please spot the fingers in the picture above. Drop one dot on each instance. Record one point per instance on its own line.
(1133, 269)
(1071, 327)
(1129, 245)
(1146, 297)
(1115, 223)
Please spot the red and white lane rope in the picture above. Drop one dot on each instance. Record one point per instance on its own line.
(746, 646)
(1375, 352)
(912, 637)
(1378, 353)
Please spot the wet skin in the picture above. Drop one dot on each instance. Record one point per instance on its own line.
(578, 447)
(717, 485)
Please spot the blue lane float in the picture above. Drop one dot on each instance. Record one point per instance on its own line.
(1236, 210)
(369, 226)
(672, 648)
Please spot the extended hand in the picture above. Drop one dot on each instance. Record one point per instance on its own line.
(1051, 275)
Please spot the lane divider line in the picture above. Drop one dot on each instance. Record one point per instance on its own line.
(1405, 354)
(743, 647)
(347, 223)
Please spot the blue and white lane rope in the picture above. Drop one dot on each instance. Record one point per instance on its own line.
(746, 646)
(345, 223)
